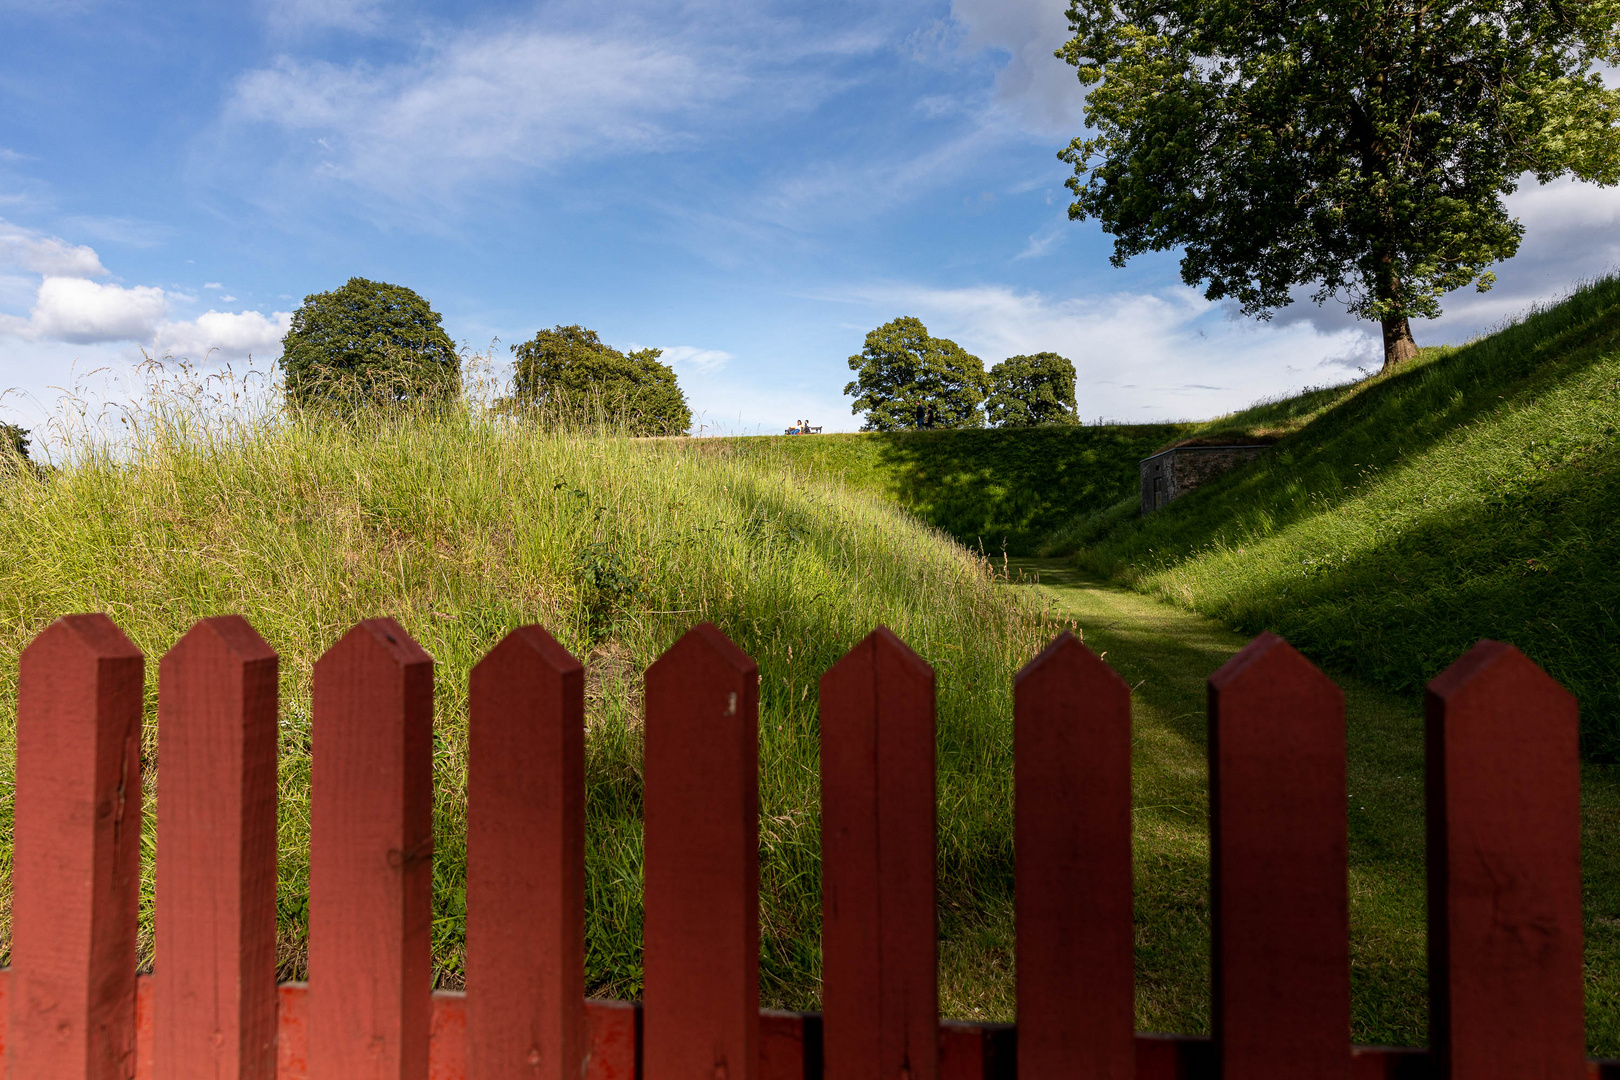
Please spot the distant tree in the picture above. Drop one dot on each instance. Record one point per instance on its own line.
(368, 342)
(906, 379)
(1031, 391)
(1364, 148)
(569, 372)
(13, 443)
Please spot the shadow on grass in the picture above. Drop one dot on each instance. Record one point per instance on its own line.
(1004, 489)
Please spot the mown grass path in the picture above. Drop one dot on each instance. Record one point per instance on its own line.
(1166, 654)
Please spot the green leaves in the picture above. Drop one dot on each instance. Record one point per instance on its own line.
(1030, 391)
(368, 343)
(1364, 148)
(13, 443)
(569, 374)
(906, 379)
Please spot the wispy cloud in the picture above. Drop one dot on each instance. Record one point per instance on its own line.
(40, 253)
(481, 106)
(1139, 356)
(692, 358)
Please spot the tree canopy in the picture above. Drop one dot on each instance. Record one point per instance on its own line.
(1031, 391)
(568, 372)
(906, 379)
(1361, 147)
(368, 342)
(13, 442)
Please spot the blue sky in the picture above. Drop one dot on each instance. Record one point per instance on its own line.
(750, 186)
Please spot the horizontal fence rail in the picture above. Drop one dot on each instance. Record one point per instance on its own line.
(1503, 820)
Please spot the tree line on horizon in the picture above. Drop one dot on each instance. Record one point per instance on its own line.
(908, 380)
(372, 343)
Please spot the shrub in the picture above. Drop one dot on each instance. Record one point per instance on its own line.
(13, 443)
(568, 373)
(906, 379)
(368, 342)
(1030, 391)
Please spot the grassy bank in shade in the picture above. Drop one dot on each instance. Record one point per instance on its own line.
(463, 528)
(1474, 492)
(1166, 654)
(1002, 490)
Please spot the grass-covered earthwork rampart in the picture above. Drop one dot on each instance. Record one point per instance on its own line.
(464, 527)
(1474, 492)
(995, 489)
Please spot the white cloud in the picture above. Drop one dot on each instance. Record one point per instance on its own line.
(1034, 89)
(481, 102)
(38, 253)
(223, 335)
(227, 299)
(294, 16)
(689, 357)
(1139, 356)
(212, 285)
(80, 311)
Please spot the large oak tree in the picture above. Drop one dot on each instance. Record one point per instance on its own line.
(906, 379)
(1360, 146)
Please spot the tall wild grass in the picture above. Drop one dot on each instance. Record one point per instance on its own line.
(463, 525)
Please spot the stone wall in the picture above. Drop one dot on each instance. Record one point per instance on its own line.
(1174, 472)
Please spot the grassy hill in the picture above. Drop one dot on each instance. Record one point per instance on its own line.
(1473, 493)
(463, 528)
(995, 489)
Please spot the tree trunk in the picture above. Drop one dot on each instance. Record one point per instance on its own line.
(1398, 343)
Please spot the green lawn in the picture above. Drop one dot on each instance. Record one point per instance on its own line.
(1474, 492)
(994, 490)
(1166, 654)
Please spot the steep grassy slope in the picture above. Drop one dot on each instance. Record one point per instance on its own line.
(463, 528)
(1474, 493)
(1002, 490)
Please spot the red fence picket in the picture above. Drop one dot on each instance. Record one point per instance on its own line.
(526, 861)
(1076, 945)
(1504, 822)
(76, 853)
(371, 847)
(880, 987)
(700, 798)
(1280, 956)
(216, 860)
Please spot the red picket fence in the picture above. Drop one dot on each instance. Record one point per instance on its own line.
(1503, 841)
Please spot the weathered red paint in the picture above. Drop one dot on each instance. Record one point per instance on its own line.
(371, 850)
(700, 929)
(974, 1051)
(789, 1045)
(76, 853)
(614, 1031)
(292, 1031)
(1076, 944)
(880, 997)
(526, 861)
(1280, 957)
(216, 857)
(1504, 824)
(966, 1049)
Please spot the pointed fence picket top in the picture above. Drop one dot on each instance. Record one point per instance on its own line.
(1280, 959)
(526, 862)
(880, 996)
(76, 853)
(216, 856)
(1076, 935)
(371, 851)
(1503, 784)
(700, 926)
